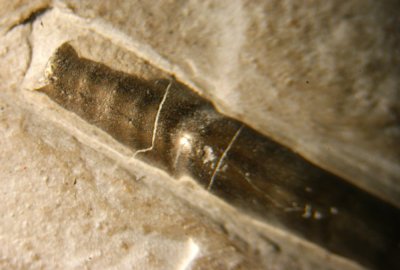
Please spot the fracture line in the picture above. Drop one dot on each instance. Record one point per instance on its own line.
(155, 123)
(223, 157)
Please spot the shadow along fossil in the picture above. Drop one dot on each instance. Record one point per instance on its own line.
(169, 126)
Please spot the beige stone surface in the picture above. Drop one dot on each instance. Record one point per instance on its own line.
(65, 206)
(319, 77)
(15, 12)
(73, 198)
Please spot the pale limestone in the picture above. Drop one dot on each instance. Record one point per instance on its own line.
(68, 206)
(81, 205)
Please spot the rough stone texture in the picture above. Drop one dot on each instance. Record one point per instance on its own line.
(319, 77)
(67, 206)
(14, 12)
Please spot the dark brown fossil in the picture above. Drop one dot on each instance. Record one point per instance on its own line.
(173, 128)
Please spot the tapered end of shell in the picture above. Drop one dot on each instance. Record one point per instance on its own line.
(62, 58)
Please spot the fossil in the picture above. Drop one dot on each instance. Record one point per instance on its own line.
(171, 127)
